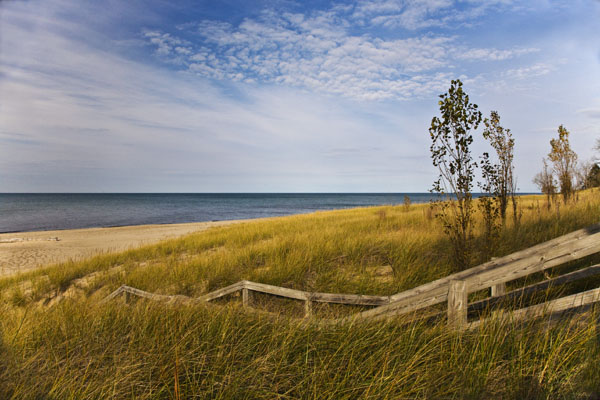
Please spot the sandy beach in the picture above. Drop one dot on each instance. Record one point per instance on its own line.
(23, 251)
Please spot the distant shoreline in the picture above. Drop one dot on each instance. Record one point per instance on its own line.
(60, 211)
(36, 231)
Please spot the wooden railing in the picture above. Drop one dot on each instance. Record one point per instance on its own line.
(247, 287)
(453, 289)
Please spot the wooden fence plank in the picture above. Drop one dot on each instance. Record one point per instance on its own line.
(113, 294)
(527, 290)
(245, 297)
(356, 299)
(222, 292)
(557, 251)
(549, 307)
(457, 304)
(307, 308)
(277, 291)
(501, 261)
(552, 257)
(498, 290)
(147, 295)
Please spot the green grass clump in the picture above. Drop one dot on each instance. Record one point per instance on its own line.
(57, 341)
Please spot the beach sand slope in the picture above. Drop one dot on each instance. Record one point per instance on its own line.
(23, 251)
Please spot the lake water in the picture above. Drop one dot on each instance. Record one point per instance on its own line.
(30, 212)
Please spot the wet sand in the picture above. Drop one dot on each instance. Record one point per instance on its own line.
(28, 250)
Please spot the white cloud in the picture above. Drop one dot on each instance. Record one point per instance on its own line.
(317, 52)
(590, 112)
(405, 14)
(419, 14)
(532, 71)
(494, 54)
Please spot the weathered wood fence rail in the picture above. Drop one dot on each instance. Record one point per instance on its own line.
(494, 274)
(453, 289)
(247, 287)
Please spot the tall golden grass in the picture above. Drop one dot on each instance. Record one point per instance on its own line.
(57, 341)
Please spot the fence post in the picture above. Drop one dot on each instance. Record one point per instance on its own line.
(499, 289)
(245, 297)
(307, 307)
(457, 304)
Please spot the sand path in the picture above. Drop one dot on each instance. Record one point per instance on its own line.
(27, 250)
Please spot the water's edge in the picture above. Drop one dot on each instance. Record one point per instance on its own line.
(20, 212)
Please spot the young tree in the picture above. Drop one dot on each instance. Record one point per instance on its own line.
(406, 203)
(564, 160)
(544, 180)
(489, 204)
(593, 178)
(451, 137)
(513, 200)
(582, 175)
(503, 143)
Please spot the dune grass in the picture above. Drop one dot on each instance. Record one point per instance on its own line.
(80, 350)
(56, 341)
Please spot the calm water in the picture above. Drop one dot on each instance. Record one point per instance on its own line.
(28, 212)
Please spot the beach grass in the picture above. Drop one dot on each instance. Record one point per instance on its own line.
(58, 341)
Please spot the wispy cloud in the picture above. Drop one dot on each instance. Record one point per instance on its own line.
(403, 14)
(591, 112)
(168, 45)
(528, 72)
(492, 54)
(318, 52)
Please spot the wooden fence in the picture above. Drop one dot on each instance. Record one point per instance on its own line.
(453, 289)
(247, 287)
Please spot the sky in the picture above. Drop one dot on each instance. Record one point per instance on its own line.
(281, 95)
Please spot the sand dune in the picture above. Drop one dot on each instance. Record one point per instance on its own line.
(27, 250)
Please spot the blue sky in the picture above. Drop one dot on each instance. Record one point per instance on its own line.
(280, 96)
